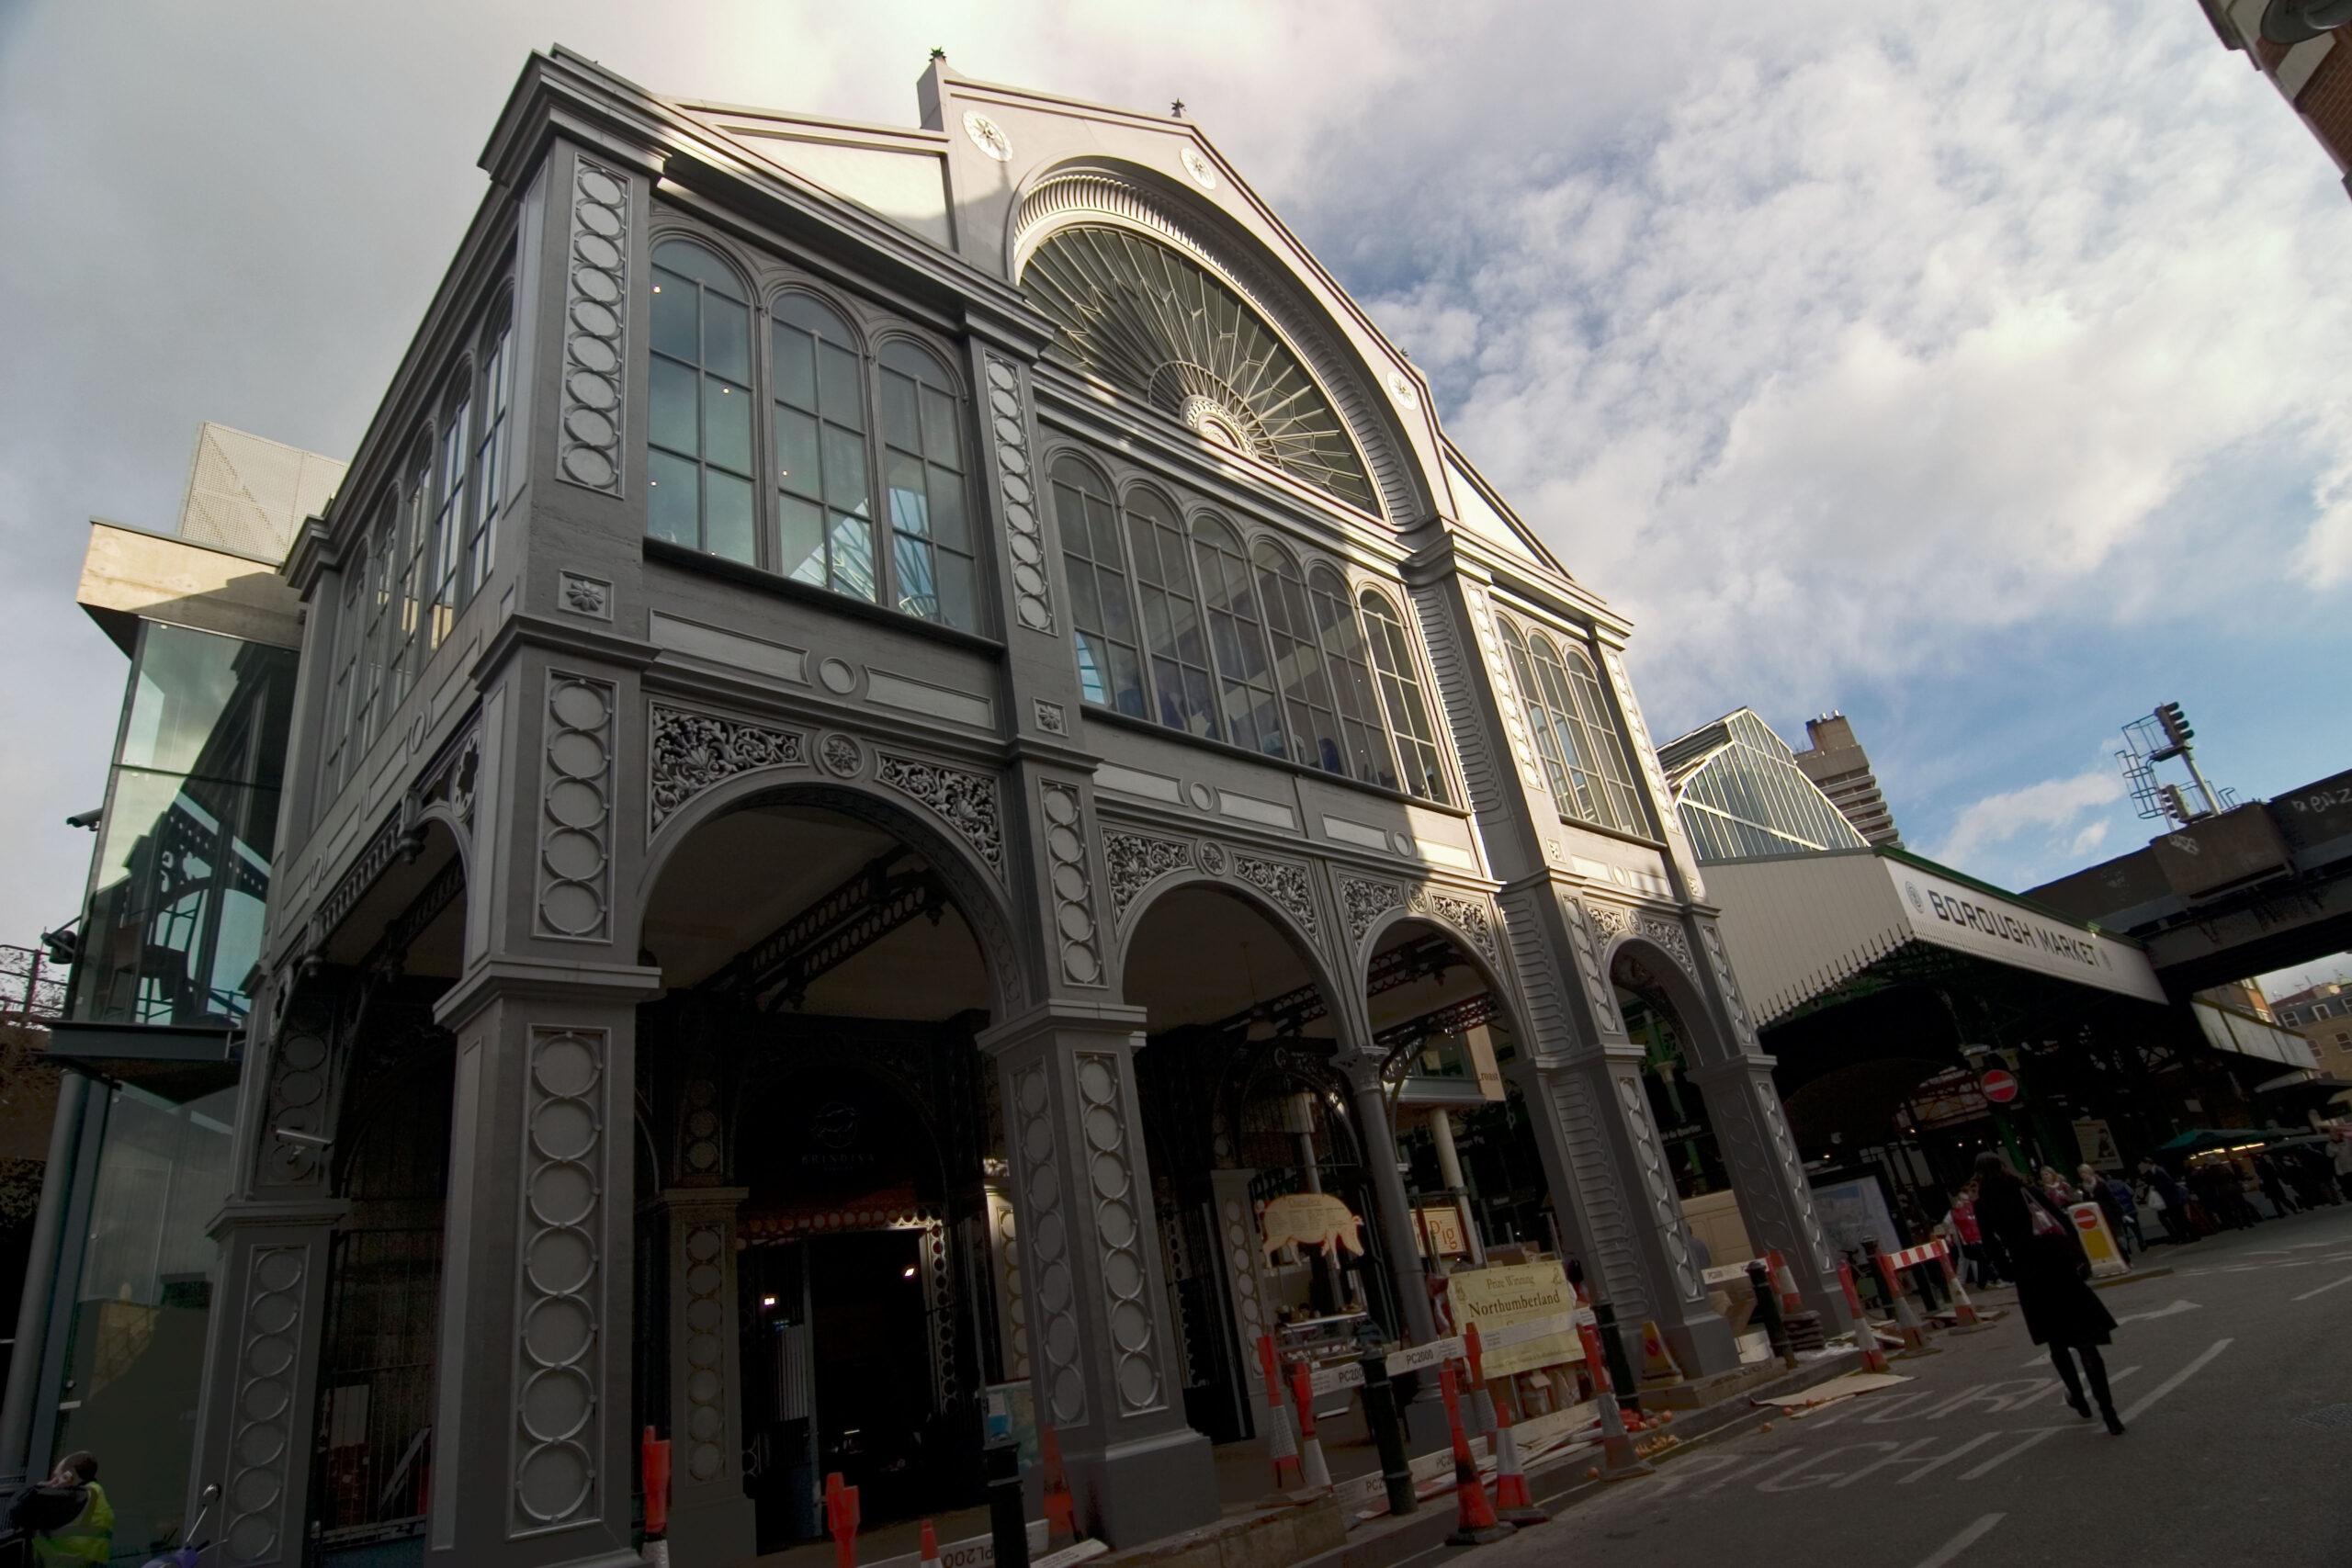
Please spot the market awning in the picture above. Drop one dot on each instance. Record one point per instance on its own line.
(1799, 926)
(2204, 1140)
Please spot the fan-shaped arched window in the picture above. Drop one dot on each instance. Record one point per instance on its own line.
(1299, 661)
(1400, 693)
(699, 470)
(1175, 642)
(824, 518)
(1583, 759)
(1102, 625)
(1238, 637)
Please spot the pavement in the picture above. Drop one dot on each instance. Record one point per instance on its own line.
(2233, 1372)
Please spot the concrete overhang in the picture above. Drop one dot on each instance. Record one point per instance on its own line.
(129, 575)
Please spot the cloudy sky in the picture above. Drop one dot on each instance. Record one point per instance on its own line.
(1974, 369)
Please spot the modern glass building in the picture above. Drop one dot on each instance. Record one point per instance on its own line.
(1740, 795)
(111, 1332)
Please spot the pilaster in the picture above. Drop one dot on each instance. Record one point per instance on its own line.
(1099, 1340)
(712, 1523)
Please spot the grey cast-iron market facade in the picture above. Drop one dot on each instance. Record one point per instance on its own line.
(935, 700)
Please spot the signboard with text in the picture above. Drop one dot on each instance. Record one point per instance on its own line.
(1507, 1293)
(1967, 919)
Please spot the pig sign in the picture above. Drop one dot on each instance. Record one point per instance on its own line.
(1311, 1219)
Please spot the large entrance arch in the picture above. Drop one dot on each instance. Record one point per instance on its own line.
(819, 1128)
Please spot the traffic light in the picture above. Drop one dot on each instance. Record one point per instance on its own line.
(2176, 730)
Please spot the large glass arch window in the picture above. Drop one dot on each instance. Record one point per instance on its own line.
(824, 521)
(699, 470)
(923, 462)
(1175, 640)
(1584, 762)
(1400, 691)
(1353, 693)
(1102, 625)
(1237, 636)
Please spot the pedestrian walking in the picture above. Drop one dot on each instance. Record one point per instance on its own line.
(2053, 1278)
(2265, 1173)
(2169, 1202)
(1980, 1272)
(67, 1517)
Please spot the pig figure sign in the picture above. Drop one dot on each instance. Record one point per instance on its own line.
(1311, 1219)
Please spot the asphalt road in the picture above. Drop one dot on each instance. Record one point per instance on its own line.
(2234, 1374)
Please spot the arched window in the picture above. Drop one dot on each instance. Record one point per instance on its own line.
(1353, 691)
(1299, 661)
(699, 470)
(1400, 691)
(1174, 641)
(490, 456)
(1583, 759)
(1237, 636)
(824, 524)
(1103, 625)
(449, 513)
(923, 462)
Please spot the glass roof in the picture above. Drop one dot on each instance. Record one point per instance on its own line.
(1740, 795)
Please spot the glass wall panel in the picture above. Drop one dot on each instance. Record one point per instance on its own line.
(134, 1353)
(1400, 691)
(174, 921)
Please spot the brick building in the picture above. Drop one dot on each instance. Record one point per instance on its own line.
(2294, 42)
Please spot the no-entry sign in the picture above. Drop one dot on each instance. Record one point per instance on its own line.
(2000, 1086)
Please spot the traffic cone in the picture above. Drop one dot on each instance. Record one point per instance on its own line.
(1964, 1311)
(1475, 1523)
(1865, 1337)
(840, 1519)
(1061, 1509)
(1511, 1500)
(1618, 1459)
(1312, 1470)
(1482, 1401)
(1657, 1361)
(1281, 1448)
(1785, 1280)
(1906, 1318)
(927, 1555)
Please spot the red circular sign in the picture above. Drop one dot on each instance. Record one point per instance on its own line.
(2000, 1086)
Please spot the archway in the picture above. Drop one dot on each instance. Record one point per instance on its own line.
(818, 1122)
(1241, 1104)
(380, 1340)
(1442, 1029)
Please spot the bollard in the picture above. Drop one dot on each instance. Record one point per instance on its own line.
(1008, 1530)
(841, 1520)
(1846, 1283)
(1612, 1345)
(1768, 1308)
(1061, 1509)
(1785, 1280)
(1618, 1459)
(1311, 1468)
(1387, 1433)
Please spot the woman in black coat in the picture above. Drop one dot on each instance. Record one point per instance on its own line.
(2060, 1309)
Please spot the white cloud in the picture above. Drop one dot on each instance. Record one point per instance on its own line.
(2052, 807)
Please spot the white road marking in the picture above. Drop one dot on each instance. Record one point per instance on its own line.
(2324, 1289)
(2175, 1381)
(2112, 1378)
(1935, 1464)
(2175, 1309)
(1950, 1551)
(1998, 1460)
(1800, 1456)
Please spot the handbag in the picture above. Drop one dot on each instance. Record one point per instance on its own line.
(2052, 1231)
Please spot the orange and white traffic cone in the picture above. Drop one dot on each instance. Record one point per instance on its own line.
(841, 1519)
(1865, 1337)
(1311, 1468)
(927, 1555)
(1964, 1311)
(1061, 1509)
(1480, 1421)
(1657, 1361)
(1475, 1523)
(1281, 1448)
(1906, 1318)
(1511, 1500)
(1618, 1459)
(1785, 1280)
